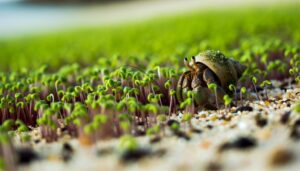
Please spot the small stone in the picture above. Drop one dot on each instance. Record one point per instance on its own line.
(37, 141)
(295, 132)
(228, 117)
(213, 166)
(134, 155)
(213, 117)
(244, 108)
(241, 143)
(203, 115)
(233, 109)
(285, 117)
(280, 156)
(67, 152)
(197, 131)
(26, 155)
(182, 134)
(267, 103)
(105, 151)
(260, 121)
(209, 126)
(155, 139)
(139, 132)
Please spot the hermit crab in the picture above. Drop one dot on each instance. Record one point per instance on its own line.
(206, 68)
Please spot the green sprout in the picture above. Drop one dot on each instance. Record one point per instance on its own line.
(153, 130)
(254, 81)
(187, 117)
(227, 101)
(2, 164)
(172, 101)
(265, 84)
(175, 126)
(125, 122)
(232, 88)
(242, 91)
(213, 88)
(186, 102)
(128, 143)
(296, 108)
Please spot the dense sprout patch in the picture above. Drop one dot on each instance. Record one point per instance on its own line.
(98, 102)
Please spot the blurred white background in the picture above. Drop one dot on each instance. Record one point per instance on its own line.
(18, 18)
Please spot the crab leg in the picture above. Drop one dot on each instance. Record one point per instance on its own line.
(209, 78)
(183, 83)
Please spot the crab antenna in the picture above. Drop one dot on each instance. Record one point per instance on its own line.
(186, 63)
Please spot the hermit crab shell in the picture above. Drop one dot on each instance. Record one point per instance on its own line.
(227, 70)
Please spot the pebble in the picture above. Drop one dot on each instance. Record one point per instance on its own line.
(197, 131)
(244, 108)
(67, 152)
(105, 151)
(261, 121)
(134, 155)
(213, 166)
(285, 117)
(155, 139)
(213, 117)
(26, 155)
(181, 134)
(280, 156)
(241, 143)
(209, 126)
(295, 132)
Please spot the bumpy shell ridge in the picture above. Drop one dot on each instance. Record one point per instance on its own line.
(222, 66)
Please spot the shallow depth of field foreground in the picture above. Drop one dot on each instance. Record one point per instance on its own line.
(212, 89)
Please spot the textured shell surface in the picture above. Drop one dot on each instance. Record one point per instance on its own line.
(215, 56)
(220, 65)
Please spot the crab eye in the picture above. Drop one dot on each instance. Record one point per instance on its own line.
(193, 57)
(185, 59)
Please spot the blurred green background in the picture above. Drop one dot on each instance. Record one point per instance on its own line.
(238, 31)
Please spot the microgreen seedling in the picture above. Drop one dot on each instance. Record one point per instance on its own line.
(265, 85)
(213, 88)
(227, 101)
(233, 89)
(128, 143)
(254, 81)
(242, 91)
(187, 117)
